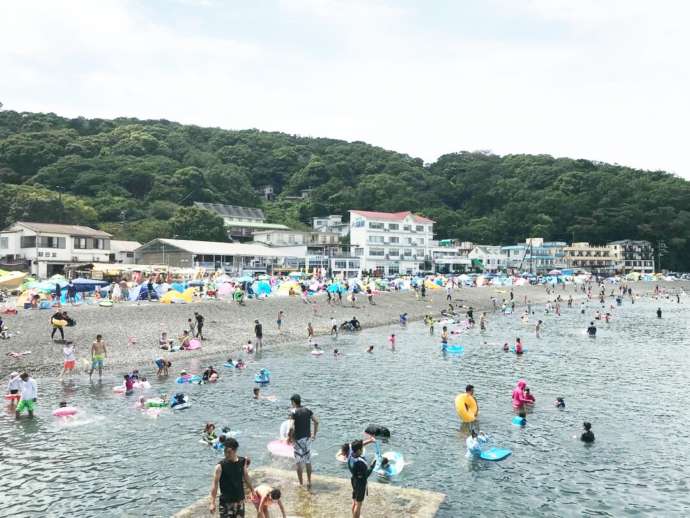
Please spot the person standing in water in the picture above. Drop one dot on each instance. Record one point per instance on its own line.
(98, 354)
(230, 475)
(658, 313)
(199, 325)
(302, 436)
(259, 333)
(28, 390)
(592, 330)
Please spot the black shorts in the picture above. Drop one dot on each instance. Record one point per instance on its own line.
(359, 490)
(231, 509)
(14, 391)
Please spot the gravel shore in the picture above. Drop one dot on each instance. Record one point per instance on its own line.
(227, 325)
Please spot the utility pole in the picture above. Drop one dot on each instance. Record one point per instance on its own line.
(661, 249)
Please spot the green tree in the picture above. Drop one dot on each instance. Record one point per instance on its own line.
(198, 224)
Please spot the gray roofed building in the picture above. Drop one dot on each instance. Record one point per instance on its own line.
(56, 228)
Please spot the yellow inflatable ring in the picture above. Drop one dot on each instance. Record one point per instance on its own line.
(59, 323)
(466, 407)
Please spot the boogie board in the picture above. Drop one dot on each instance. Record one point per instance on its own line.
(495, 454)
(106, 304)
(454, 349)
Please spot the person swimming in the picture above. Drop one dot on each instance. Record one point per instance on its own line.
(505, 347)
(209, 433)
(559, 403)
(588, 435)
(370, 349)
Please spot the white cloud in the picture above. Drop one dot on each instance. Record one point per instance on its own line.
(600, 80)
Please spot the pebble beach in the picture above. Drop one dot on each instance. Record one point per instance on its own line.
(131, 330)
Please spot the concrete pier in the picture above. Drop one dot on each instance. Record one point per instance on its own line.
(331, 497)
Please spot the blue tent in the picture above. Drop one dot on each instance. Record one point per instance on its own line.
(81, 284)
(262, 288)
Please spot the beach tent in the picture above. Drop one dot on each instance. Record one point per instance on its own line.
(178, 286)
(80, 284)
(225, 289)
(262, 288)
(284, 288)
(430, 285)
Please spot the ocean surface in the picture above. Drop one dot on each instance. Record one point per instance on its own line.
(631, 382)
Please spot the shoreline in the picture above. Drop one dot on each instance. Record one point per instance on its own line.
(229, 325)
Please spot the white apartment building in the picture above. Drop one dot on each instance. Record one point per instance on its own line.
(488, 258)
(389, 243)
(47, 247)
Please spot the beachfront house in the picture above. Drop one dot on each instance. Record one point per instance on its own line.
(390, 243)
(234, 258)
(448, 257)
(45, 249)
(488, 258)
(122, 252)
(332, 223)
(535, 255)
(241, 222)
(596, 259)
(632, 256)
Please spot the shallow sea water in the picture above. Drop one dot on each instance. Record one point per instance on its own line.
(630, 382)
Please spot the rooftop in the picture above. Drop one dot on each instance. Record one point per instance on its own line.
(232, 249)
(232, 211)
(392, 216)
(124, 246)
(56, 228)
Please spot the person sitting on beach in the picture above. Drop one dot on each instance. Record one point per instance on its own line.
(588, 435)
(209, 434)
(164, 342)
(262, 498)
(184, 340)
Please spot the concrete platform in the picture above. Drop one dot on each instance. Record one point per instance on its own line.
(331, 497)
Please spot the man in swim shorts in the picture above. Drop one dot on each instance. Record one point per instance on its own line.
(301, 435)
(230, 475)
(98, 354)
(259, 333)
(29, 394)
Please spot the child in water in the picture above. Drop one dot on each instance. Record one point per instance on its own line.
(560, 402)
(209, 434)
(505, 347)
(370, 349)
(520, 419)
(474, 444)
(529, 398)
(518, 346)
(129, 384)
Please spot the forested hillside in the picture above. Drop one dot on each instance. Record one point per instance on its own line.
(137, 178)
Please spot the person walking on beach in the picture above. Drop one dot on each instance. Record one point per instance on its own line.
(199, 325)
(230, 475)
(69, 362)
(98, 354)
(449, 291)
(334, 327)
(28, 391)
(280, 320)
(58, 317)
(259, 334)
(310, 331)
(302, 436)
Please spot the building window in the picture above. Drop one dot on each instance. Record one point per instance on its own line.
(4, 243)
(51, 242)
(129, 254)
(341, 265)
(376, 239)
(407, 252)
(420, 241)
(358, 252)
(394, 251)
(393, 226)
(27, 241)
(375, 226)
(393, 270)
(419, 228)
(379, 269)
(407, 228)
(376, 252)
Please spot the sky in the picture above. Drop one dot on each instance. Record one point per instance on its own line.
(606, 80)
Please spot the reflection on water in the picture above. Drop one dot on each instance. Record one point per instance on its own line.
(629, 382)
